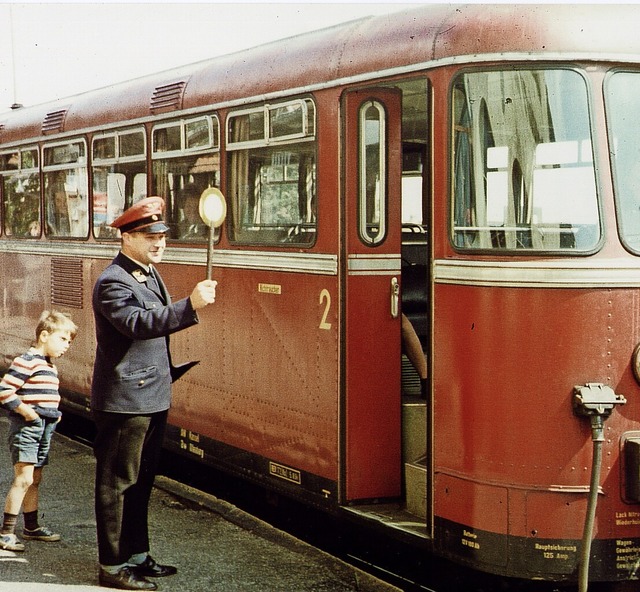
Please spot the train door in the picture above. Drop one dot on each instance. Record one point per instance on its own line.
(371, 461)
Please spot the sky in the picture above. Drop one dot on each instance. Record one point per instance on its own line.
(51, 50)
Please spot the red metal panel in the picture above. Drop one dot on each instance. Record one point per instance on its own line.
(267, 382)
(506, 363)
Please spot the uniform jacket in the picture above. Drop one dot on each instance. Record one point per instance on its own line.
(133, 371)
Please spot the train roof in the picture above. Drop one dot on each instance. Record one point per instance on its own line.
(428, 35)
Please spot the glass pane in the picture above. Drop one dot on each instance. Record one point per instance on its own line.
(272, 195)
(622, 95)
(311, 117)
(372, 181)
(215, 133)
(247, 127)
(197, 134)
(115, 188)
(22, 205)
(167, 139)
(65, 154)
(29, 159)
(9, 161)
(524, 176)
(104, 148)
(131, 144)
(66, 203)
(286, 121)
(181, 181)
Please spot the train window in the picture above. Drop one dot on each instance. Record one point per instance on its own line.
(270, 123)
(21, 192)
(201, 133)
(131, 144)
(372, 176)
(66, 189)
(272, 174)
(119, 176)
(246, 127)
(623, 102)
(104, 148)
(186, 161)
(523, 170)
(293, 120)
(167, 138)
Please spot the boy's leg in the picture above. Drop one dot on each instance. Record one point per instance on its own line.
(22, 480)
(31, 497)
(32, 529)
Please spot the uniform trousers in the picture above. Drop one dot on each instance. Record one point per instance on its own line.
(127, 450)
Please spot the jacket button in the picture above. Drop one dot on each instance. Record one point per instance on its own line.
(140, 382)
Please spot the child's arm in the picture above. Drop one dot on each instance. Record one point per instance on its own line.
(11, 382)
(28, 412)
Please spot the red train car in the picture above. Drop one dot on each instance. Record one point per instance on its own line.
(473, 167)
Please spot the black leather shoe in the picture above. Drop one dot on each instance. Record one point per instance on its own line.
(125, 579)
(151, 569)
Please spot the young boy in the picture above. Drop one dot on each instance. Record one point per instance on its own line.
(29, 390)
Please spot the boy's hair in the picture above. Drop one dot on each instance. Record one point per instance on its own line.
(52, 320)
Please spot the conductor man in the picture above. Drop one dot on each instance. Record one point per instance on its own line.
(131, 391)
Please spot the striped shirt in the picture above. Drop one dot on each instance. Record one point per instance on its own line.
(31, 379)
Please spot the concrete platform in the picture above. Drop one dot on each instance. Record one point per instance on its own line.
(215, 546)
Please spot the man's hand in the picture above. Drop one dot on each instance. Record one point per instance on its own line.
(203, 294)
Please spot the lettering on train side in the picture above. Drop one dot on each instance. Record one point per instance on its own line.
(469, 539)
(629, 518)
(270, 289)
(627, 554)
(286, 473)
(188, 442)
(557, 551)
(325, 297)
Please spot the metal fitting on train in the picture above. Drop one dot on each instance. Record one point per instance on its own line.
(595, 398)
(595, 401)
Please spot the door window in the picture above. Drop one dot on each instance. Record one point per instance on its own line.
(372, 175)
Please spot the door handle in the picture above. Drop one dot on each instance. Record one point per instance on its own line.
(395, 298)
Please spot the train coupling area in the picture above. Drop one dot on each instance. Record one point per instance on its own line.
(215, 546)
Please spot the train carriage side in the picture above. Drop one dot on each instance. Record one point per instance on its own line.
(535, 295)
(474, 180)
(264, 402)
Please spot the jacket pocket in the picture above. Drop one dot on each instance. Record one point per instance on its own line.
(141, 377)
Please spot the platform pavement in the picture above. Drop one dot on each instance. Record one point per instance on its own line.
(216, 546)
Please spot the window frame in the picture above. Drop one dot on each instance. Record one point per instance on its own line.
(210, 148)
(381, 200)
(213, 122)
(20, 170)
(118, 158)
(112, 161)
(238, 234)
(307, 132)
(79, 163)
(452, 141)
(614, 160)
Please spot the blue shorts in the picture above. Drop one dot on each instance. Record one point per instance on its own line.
(30, 441)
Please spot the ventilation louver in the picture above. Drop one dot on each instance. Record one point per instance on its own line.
(54, 121)
(66, 282)
(168, 97)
